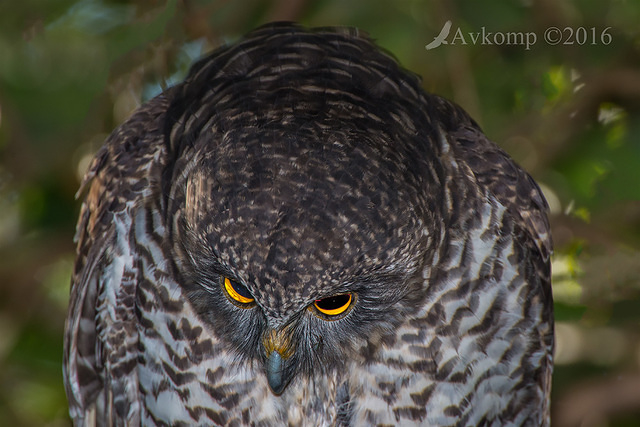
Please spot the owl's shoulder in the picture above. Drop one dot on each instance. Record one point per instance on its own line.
(497, 175)
(122, 172)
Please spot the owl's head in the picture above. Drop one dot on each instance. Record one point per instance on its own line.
(299, 203)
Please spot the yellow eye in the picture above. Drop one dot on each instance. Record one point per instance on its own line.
(237, 292)
(334, 305)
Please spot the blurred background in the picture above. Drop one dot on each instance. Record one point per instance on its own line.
(566, 108)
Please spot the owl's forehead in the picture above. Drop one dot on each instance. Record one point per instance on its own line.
(314, 176)
(305, 211)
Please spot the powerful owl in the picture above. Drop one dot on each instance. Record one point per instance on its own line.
(298, 234)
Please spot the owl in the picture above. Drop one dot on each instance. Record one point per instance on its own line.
(299, 234)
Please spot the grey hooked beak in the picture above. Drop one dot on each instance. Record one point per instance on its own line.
(279, 348)
(275, 372)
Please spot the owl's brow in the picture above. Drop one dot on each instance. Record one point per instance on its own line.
(218, 268)
(361, 281)
(377, 275)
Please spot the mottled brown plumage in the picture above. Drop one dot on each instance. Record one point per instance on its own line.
(299, 234)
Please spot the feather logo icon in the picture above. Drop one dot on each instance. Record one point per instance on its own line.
(440, 38)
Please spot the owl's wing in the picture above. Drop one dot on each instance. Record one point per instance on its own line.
(501, 178)
(101, 332)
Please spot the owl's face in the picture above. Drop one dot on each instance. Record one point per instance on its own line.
(298, 255)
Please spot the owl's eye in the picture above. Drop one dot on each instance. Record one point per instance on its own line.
(237, 292)
(334, 305)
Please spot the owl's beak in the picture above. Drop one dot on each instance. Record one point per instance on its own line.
(275, 373)
(279, 348)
